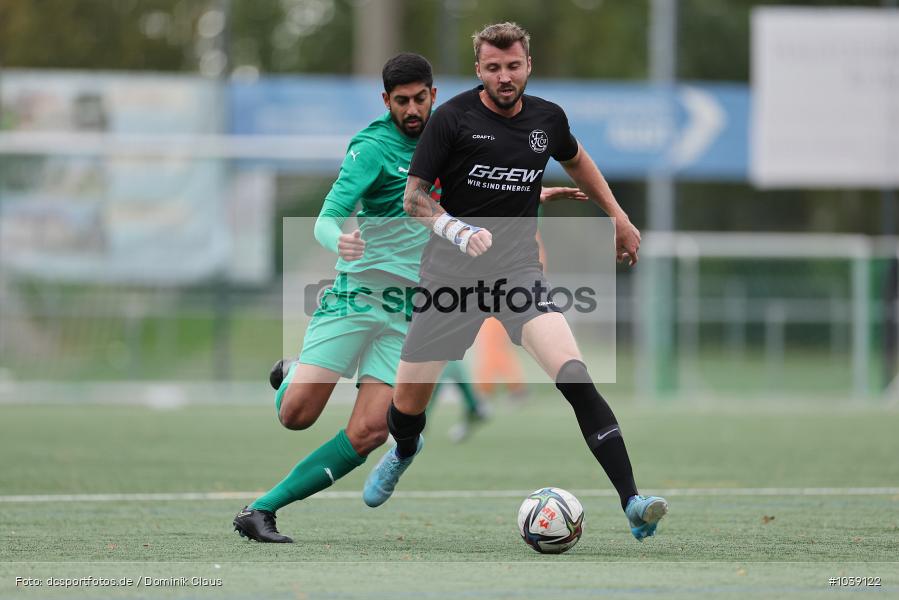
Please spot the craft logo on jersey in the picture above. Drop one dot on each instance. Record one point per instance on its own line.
(538, 141)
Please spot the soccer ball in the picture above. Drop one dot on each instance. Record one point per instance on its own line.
(551, 520)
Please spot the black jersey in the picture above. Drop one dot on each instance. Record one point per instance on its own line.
(491, 170)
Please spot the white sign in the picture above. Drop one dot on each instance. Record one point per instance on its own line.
(825, 89)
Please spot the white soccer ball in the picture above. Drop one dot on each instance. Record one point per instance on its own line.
(551, 520)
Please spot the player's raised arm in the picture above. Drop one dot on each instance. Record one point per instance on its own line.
(359, 171)
(418, 204)
(587, 176)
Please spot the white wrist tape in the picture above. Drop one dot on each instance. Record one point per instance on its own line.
(454, 229)
(441, 222)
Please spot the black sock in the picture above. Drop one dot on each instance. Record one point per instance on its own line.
(599, 426)
(405, 429)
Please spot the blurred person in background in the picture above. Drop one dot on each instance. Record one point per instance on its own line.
(474, 411)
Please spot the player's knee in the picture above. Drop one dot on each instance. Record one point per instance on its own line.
(573, 371)
(294, 421)
(296, 414)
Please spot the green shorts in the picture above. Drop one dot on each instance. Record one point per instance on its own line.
(353, 332)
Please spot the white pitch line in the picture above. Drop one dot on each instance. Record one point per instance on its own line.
(451, 494)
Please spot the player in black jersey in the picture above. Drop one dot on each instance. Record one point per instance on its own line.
(489, 147)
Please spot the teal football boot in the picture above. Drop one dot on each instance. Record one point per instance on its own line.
(383, 478)
(644, 513)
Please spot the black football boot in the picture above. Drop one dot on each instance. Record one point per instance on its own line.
(259, 525)
(279, 372)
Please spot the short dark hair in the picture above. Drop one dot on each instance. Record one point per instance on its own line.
(501, 35)
(404, 68)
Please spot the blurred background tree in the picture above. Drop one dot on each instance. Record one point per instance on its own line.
(603, 39)
(151, 35)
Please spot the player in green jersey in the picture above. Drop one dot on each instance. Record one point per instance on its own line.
(384, 252)
(373, 174)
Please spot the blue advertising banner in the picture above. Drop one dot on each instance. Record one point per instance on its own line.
(690, 130)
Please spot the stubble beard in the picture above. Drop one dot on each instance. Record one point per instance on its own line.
(401, 125)
(506, 104)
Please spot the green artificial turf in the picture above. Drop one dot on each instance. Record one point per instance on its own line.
(448, 545)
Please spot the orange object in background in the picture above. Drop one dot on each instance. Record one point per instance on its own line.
(497, 362)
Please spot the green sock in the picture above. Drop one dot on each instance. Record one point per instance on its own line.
(328, 463)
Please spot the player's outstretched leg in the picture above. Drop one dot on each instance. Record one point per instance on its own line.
(603, 435)
(560, 358)
(406, 430)
(318, 470)
(259, 525)
(644, 513)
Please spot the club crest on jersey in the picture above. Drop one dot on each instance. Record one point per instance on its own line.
(538, 141)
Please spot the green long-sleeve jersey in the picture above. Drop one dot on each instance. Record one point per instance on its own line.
(373, 174)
